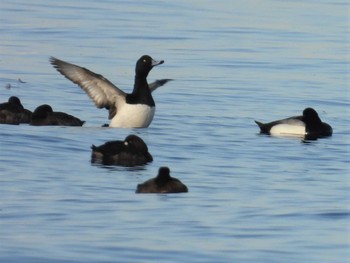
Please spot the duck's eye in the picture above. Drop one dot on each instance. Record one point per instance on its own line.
(126, 143)
(144, 60)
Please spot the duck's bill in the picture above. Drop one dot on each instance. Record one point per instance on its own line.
(157, 62)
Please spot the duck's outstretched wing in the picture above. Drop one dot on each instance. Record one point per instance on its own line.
(158, 83)
(103, 93)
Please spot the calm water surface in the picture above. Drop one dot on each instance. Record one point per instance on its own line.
(251, 198)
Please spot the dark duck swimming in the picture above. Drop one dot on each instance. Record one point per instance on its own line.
(163, 183)
(45, 116)
(133, 151)
(13, 112)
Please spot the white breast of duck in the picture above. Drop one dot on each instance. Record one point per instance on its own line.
(133, 116)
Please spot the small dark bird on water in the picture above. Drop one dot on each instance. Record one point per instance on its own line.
(45, 116)
(13, 112)
(133, 151)
(163, 184)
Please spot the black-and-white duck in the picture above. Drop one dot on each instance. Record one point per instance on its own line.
(308, 125)
(134, 110)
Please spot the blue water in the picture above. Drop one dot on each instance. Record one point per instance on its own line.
(252, 198)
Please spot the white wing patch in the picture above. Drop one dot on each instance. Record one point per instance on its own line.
(288, 130)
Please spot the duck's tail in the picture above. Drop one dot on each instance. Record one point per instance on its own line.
(262, 126)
